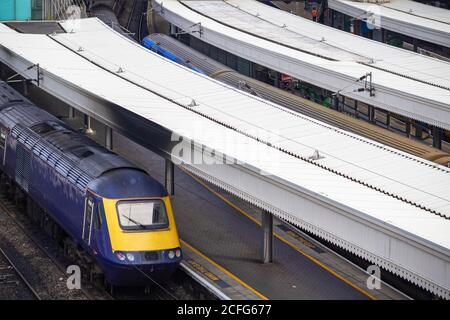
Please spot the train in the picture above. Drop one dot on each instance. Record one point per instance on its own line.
(155, 47)
(109, 213)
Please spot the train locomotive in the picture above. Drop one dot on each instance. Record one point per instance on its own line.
(114, 213)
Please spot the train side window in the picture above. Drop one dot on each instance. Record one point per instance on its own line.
(99, 216)
(2, 139)
(89, 205)
(87, 219)
(3, 136)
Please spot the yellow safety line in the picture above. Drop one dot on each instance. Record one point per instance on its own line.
(293, 246)
(224, 270)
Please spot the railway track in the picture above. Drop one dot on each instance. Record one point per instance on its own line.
(43, 245)
(13, 284)
(179, 287)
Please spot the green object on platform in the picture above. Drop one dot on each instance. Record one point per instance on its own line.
(327, 102)
(15, 9)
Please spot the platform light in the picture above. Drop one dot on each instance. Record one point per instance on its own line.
(120, 256)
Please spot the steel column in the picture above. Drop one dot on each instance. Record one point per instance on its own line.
(437, 137)
(87, 125)
(371, 114)
(335, 101)
(408, 128)
(267, 228)
(170, 177)
(71, 113)
(108, 138)
(2, 71)
(416, 44)
(418, 131)
(173, 29)
(25, 87)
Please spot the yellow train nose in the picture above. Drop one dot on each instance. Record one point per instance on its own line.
(134, 231)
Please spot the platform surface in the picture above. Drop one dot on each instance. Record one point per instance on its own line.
(233, 241)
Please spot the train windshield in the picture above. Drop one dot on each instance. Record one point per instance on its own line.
(142, 214)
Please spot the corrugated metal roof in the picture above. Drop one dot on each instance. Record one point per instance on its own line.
(401, 94)
(403, 16)
(349, 155)
(229, 121)
(412, 9)
(317, 39)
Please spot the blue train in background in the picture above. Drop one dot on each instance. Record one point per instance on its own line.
(155, 47)
(108, 212)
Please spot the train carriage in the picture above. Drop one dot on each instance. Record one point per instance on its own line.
(117, 214)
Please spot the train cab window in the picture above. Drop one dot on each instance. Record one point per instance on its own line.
(142, 214)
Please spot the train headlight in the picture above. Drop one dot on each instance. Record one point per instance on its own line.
(130, 257)
(178, 253)
(171, 254)
(120, 256)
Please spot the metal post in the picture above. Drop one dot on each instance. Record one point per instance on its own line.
(87, 125)
(170, 177)
(408, 128)
(71, 112)
(335, 101)
(108, 138)
(277, 80)
(419, 131)
(173, 29)
(371, 114)
(415, 44)
(25, 87)
(2, 71)
(437, 137)
(267, 228)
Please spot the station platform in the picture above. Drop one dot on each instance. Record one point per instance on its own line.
(222, 239)
(219, 281)
(226, 233)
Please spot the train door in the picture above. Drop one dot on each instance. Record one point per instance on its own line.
(99, 233)
(89, 206)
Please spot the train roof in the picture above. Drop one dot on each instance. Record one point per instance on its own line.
(49, 137)
(126, 184)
